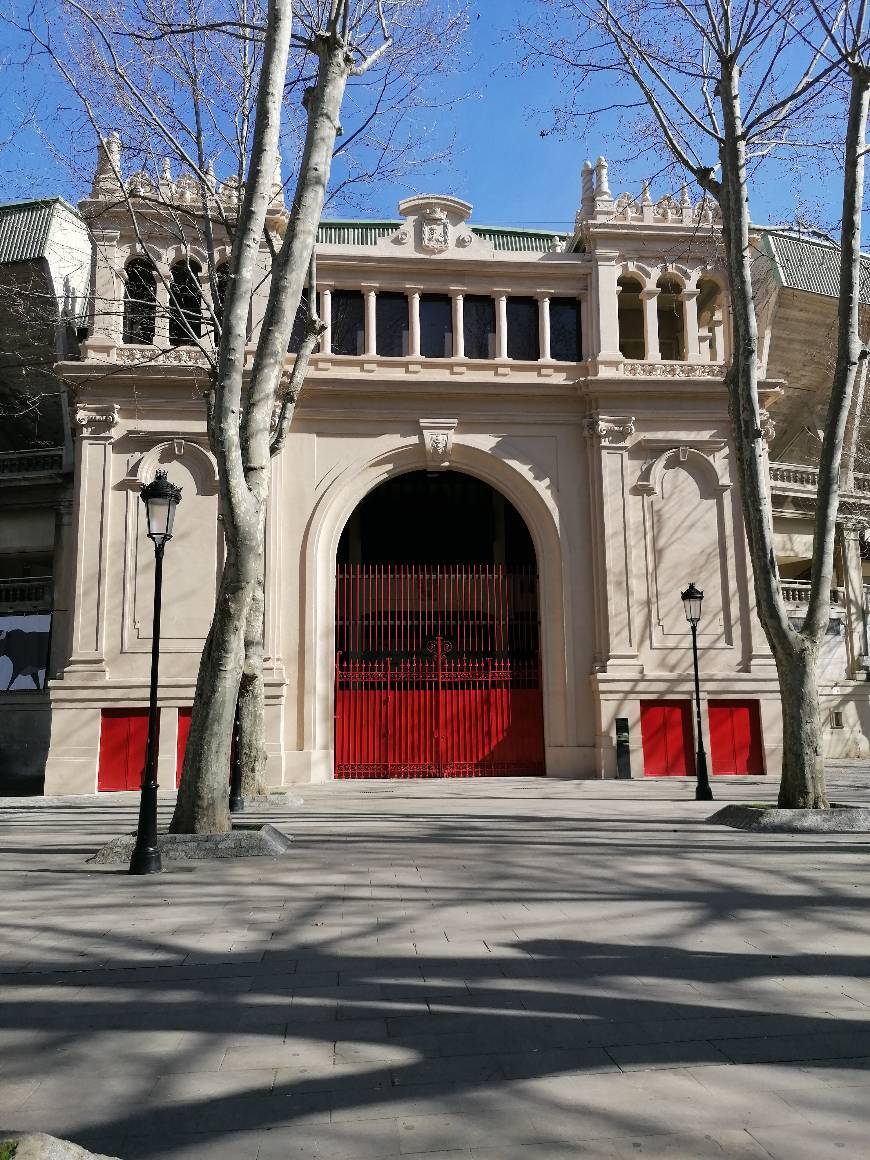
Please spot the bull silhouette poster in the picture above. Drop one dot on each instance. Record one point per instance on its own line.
(23, 651)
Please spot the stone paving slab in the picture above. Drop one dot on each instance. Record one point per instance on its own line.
(492, 970)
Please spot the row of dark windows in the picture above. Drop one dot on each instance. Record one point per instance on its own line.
(392, 320)
(392, 326)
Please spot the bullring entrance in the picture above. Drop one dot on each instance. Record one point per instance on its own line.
(437, 634)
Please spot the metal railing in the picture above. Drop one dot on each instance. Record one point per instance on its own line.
(30, 462)
(33, 590)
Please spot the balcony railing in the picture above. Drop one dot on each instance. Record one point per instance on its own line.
(30, 462)
(35, 591)
(796, 477)
(798, 592)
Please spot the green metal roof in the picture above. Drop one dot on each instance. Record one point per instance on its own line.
(25, 226)
(369, 233)
(809, 265)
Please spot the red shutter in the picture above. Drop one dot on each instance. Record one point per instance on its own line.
(123, 741)
(735, 737)
(181, 742)
(666, 736)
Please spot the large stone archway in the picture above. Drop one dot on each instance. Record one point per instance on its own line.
(338, 496)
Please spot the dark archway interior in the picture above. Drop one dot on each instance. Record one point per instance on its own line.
(426, 517)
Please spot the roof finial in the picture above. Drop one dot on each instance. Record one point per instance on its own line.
(107, 172)
(601, 187)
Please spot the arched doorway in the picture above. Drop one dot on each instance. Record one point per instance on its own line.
(437, 634)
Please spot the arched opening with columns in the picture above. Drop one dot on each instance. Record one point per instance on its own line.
(437, 633)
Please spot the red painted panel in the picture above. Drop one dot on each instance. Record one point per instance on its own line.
(123, 740)
(735, 737)
(181, 742)
(666, 737)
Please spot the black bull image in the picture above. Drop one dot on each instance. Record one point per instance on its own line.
(27, 652)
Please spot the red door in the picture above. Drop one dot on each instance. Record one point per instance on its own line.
(123, 739)
(181, 742)
(666, 736)
(735, 737)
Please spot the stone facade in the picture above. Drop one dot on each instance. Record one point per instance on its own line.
(618, 459)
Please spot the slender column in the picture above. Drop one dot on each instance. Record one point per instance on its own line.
(649, 298)
(717, 327)
(371, 344)
(501, 326)
(458, 325)
(690, 322)
(853, 583)
(326, 315)
(544, 327)
(414, 323)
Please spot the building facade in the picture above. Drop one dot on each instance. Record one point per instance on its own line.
(511, 454)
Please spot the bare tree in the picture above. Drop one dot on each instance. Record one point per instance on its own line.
(725, 85)
(195, 81)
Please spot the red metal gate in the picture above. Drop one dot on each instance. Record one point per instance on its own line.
(437, 672)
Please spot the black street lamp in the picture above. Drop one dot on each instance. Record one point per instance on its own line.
(691, 599)
(161, 499)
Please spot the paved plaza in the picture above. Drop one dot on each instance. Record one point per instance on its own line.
(489, 969)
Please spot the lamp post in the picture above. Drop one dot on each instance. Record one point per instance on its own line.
(691, 599)
(161, 499)
(237, 802)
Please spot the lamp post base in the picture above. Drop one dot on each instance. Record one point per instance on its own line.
(703, 793)
(237, 803)
(145, 860)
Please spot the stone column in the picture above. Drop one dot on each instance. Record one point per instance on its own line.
(605, 336)
(414, 323)
(649, 298)
(371, 343)
(501, 349)
(458, 324)
(544, 328)
(853, 583)
(107, 293)
(326, 316)
(690, 322)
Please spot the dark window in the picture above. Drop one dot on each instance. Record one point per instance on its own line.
(185, 304)
(392, 325)
(632, 338)
(348, 322)
(565, 342)
(436, 326)
(140, 302)
(299, 322)
(222, 280)
(478, 324)
(522, 329)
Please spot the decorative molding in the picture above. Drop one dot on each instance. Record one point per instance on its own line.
(201, 464)
(612, 429)
(97, 422)
(179, 356)
(650, 479)
(674, 370)
(437, 436)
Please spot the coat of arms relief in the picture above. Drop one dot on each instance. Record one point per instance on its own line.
(435, 230)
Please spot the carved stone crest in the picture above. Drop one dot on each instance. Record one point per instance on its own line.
(434, 230)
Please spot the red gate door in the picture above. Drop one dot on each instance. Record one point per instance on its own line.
(666, 737)
(437, 672)
(735, 737)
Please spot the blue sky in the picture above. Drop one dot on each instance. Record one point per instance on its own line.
(499, 161)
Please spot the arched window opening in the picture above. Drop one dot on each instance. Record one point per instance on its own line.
(222, 281)
(711, 321)
(140, 302)
(630, 315)
(671, 319)
(185, 304)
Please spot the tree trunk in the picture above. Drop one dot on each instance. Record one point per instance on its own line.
(252, 699)
(802, 785)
